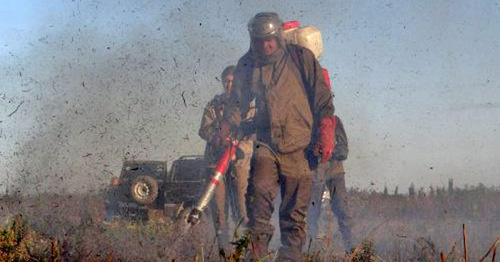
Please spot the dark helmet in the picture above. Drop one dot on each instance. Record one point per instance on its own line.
(265, 24)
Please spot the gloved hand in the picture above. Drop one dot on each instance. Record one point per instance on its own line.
(327, 136)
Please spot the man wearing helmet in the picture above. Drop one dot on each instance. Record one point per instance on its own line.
(294, 110)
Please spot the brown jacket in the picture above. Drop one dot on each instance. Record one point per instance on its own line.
(210, 125)
(289, 104)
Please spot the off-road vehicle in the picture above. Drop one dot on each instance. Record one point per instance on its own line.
(144, 186)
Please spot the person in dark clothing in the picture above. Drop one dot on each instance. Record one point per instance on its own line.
(294, 111)
(331, 176)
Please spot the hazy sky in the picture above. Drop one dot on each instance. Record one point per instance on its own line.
(86, 84)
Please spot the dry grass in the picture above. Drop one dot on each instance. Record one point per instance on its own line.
(388, 228)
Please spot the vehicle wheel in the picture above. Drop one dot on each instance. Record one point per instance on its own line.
(144, 190)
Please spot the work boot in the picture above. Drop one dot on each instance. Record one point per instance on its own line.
(347, 238)
(222, 236)
(290, 254)
(259, 247)
(259, 251)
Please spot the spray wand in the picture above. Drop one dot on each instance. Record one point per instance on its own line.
(219, 171)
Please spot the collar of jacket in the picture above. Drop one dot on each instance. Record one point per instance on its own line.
(262, 60)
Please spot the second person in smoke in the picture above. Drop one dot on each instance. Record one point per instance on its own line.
(331, 176)
(232, 189)
(292, 102)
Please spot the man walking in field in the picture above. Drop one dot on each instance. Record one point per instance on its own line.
(331, 176)
(232, 189)
(292, 105)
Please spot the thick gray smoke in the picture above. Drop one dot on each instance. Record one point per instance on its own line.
(86, 84)
(103, 82)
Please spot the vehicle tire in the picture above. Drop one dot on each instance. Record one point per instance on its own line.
(144, 190)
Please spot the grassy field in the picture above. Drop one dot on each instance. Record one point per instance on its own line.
(388, 227)
(421, 227)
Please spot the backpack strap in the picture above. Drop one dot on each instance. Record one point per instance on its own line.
(297, 56)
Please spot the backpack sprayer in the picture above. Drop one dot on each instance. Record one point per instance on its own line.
(309, 37)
